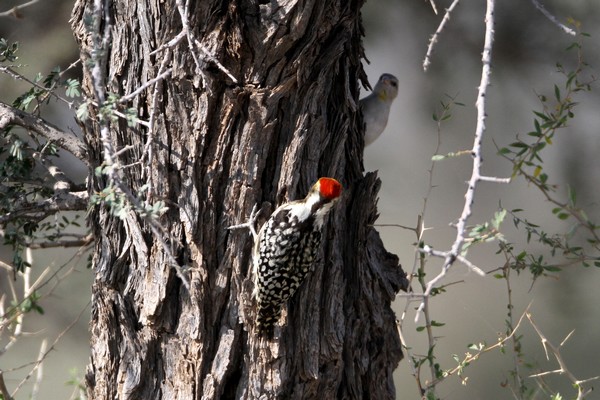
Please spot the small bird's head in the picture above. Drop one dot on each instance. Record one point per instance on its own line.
(386, 87)
(328, 188)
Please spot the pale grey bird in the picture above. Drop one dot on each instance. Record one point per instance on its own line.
(376, 106)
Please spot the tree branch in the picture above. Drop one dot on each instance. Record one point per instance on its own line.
(486, 59)
(553, 19)
(84, 240)
(563, 370)
(62, 201)
(13, 116)
(14, 12)
(439, 30)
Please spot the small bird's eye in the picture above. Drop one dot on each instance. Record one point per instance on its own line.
(394, 83)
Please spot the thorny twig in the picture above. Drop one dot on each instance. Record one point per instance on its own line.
(453, 254)
(14, 12)
(40, 371)
(193, 43)
(434, 37)
(151, 82)
(148, 152)
(43, 355)
(13, 116)
(99, 58)
(49, 91)
(563, 370)
(552, 18)
(433, 6)
(469, 358)
(419, 264)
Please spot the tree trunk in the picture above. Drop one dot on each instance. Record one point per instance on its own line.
(216, 149)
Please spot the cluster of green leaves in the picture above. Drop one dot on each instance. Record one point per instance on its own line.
(21, 183)
(525, 154)
(44, 87)
(8, 51)
(120, 204)
(111, 111)
(486, 232)
(78, 384)
(28, 304)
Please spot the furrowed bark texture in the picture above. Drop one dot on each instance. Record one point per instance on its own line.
(217, 149)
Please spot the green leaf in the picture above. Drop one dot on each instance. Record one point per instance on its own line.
(498, 218)
(82, 112)
(572, 196)
(552, 269)
(72, 88)
(538, 129)
(519, 145)
(438, 157)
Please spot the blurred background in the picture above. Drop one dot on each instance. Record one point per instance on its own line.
(526, 49)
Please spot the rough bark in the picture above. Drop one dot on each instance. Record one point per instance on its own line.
(218, 149)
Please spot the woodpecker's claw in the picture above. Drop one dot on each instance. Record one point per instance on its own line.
(250, 223)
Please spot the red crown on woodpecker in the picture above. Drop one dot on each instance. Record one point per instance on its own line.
(329, 188)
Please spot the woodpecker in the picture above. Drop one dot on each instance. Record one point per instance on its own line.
(286, 247)
(376, 106)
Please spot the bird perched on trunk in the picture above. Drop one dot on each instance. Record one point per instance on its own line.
(376, 106)
(286, 247)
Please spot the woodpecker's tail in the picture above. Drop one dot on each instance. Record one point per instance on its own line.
(266, 319)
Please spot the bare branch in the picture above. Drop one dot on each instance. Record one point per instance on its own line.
(145, 85)
(48, 91)
(62, 201)
(148, 152)
(214, 60)
(43, 355)
(67, 141)
(553, 19)
(40, 372)
(434, 37)
(461, 225)
(112, 170)
(433, 6)
(14, 12)
(494, 179)
(84, 241)
(5, 394)
(563, 370)
(469, 358)
(193, 43)
(63, 183)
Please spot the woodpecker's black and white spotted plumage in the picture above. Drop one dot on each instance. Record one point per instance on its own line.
(286, 247)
